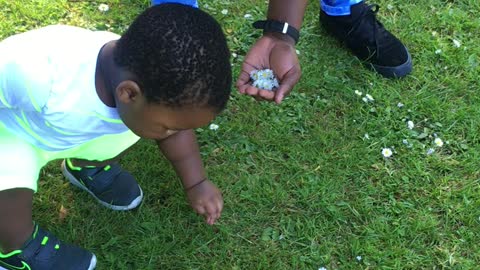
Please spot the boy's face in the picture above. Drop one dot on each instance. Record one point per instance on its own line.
(157, 121)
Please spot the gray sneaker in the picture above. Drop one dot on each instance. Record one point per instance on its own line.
(113, 187)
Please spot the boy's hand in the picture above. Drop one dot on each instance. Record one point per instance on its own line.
(206, 199)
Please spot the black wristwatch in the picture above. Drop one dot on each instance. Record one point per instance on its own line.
(277, 27)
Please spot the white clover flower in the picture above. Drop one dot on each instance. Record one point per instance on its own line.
(247, 16)
(387, 152)
(213, 127)
(297, 51)
(103, 7)
(434, 33)
(400, 105)
(322, 268)
(234, 55)
(365, 99)
(430, 151)
(438, 51)
(275, 83)
(264, 79)
(438, 142)
(224, 11)
(369, 97)
(410, 124)
(389, 7)
(456, 43)
(265, 74)
(366, 136)
(254, 75)
(359, 258)
(358, 93)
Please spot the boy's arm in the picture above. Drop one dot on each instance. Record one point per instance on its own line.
(181, 149)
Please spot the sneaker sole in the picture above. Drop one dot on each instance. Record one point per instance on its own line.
(394, 72)
(77, 183)
(93, 262)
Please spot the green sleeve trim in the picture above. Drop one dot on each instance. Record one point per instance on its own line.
(24, 124)
(34, 102)
(3, 100)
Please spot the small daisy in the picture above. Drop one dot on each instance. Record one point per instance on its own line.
(387, 152)
(438, 142)
(103, 7)
(369, 97)
(213, 127)
(410, 124)
(456, 43)
(359, 258)
(254, 75)
(247, 16)
(224, 11)
(358, 93)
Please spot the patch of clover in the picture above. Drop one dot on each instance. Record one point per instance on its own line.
(422, 135)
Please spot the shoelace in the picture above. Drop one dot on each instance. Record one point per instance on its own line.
(369, 12)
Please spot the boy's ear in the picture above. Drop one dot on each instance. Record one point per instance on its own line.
(128, 91)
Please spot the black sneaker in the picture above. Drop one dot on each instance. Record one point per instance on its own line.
(366, 37)
(45, 252)
(113, 187)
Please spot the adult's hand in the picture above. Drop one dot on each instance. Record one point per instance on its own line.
(276, 52)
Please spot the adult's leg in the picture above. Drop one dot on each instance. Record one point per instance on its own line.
(354, 23)
(192, 3)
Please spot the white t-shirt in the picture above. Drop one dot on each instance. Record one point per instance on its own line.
(47, 87)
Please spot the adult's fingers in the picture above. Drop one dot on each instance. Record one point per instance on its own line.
(288, 82)
(243, 81)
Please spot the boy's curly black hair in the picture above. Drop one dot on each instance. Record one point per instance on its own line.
(179, 55)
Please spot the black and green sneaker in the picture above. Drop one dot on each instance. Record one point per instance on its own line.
(45, 252)
(112, 186)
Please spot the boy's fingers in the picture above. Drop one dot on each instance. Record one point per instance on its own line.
(200, 210)
(211, 209)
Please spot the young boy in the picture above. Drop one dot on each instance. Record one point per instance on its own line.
(85, 97)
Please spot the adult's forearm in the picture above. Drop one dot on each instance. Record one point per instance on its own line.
(290, 11)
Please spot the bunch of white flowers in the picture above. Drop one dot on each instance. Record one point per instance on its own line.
(264, 79)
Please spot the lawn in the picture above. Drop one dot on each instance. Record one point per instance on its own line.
(305, 183)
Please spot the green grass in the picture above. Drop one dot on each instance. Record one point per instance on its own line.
(303, 187)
